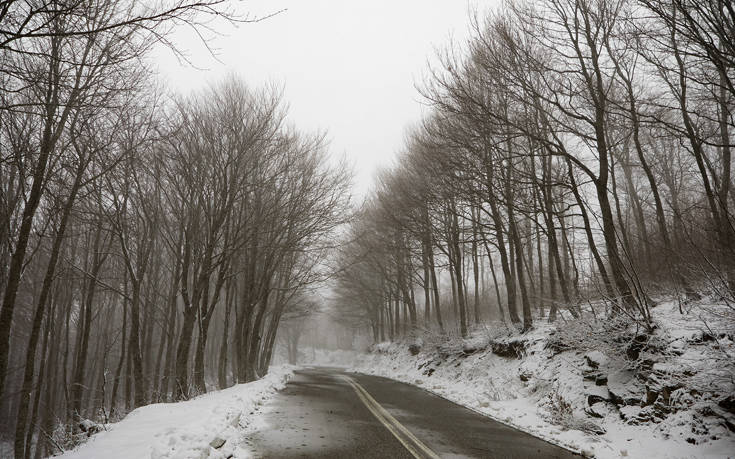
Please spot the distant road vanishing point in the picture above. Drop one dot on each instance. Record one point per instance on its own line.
(327, 413)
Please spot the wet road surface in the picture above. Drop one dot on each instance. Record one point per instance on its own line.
(326, 413)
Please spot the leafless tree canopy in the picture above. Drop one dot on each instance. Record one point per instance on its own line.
(577, 152)
(149, 245)
(577, 159)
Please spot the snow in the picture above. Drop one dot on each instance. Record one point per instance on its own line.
(185, 430)
(546, 393)
(576, 386)
(596, 359)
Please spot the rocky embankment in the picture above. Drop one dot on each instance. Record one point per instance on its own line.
(601, 387)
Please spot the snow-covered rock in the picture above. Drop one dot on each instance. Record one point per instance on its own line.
(90, 427)
(509, 348)
(478, 342)
(624, 388)
(596, 359)
(595, 394)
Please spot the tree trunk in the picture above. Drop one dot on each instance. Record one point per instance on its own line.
(182, 354)
(77, 385)
(30, 364)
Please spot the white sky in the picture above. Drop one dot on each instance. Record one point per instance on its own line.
(346, 67)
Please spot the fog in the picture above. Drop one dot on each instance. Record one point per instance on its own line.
(348, 68)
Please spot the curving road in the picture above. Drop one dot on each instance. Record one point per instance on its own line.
(327, 413)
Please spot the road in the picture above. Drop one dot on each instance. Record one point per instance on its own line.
(327, 413)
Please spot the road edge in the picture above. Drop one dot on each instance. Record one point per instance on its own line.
(552, 441)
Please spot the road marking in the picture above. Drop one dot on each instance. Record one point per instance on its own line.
(415, 446)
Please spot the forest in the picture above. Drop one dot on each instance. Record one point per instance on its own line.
(576, 159)
(150, 242)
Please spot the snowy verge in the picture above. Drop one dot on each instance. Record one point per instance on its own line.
(470, 386)
(192, 429)
(585, 397)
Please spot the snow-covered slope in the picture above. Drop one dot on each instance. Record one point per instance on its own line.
(594, 386)
(211, 425)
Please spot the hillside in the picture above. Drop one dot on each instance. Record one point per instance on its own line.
(601, 387)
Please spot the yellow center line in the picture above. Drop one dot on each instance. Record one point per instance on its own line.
(415, 446)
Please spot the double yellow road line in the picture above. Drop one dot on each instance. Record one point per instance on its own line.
(415, 446)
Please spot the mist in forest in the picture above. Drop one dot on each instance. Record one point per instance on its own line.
(521, 206)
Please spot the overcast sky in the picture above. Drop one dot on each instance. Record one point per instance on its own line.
(346, 67)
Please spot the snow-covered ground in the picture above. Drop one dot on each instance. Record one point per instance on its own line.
(590, 386)
(599, 387)
(212, 425)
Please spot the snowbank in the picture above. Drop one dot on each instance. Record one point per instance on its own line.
(209, 426)
(664, 401)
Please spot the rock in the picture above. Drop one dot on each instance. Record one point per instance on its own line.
(601, 380)
(475, 343)
(217, 443)
(414, 349)
(596, 359)
(660, 408)
(515, 349)
(667, 390)
(646, 364)
(594, 398)
(591, 411)
(682, 398)
(658, 411)
(701, 337)
(86, 424)
(665, 369)
(727, 404)
(628, 413)
(636, 346)
(635, 415)
(525, 376)
(730, 426)
(660, 385)
(597, 394)
(678, 345)
(90, 427)
(624, 388)
(651, 396)
(597, 410)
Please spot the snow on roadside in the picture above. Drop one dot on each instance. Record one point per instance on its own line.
(482, 374)
(185, 430)
(479, 382)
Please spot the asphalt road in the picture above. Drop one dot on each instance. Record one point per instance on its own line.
(326, 413)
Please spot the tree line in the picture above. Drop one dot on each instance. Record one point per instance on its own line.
(149, 243)
(576, 152)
